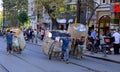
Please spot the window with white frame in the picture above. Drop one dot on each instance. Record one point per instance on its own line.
(103, 1)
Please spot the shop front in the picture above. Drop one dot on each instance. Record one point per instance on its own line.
(104, 25)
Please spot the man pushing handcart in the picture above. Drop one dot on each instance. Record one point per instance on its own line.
(79, 35)
(18, 42)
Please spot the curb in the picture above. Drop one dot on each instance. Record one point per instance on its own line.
(105, 59)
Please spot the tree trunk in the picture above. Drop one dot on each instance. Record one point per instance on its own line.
(92, 15)
(78, 10)
(55, 24)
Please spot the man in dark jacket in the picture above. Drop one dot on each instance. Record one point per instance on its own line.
(9, 37)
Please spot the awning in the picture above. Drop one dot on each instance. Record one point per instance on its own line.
(73, 3)
(70, 20)
(61, 20)
(80, 28)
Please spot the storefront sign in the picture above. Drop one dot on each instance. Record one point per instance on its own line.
(116, 8)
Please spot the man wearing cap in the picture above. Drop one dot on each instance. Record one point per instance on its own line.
(9, 37)
(65, 47)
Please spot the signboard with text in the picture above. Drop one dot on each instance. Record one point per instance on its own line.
(116, 8)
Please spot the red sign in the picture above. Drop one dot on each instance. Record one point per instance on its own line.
(116, 8)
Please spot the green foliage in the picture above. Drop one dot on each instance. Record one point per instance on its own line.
(51, 6)
(23, 17)
(1, 18)
(12, 8)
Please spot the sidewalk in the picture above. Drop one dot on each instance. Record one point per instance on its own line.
(111, 58)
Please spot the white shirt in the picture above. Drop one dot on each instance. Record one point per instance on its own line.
(35, 33)
(93, 35)
(102, 39)
(117, 37)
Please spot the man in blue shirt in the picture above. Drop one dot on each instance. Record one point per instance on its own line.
(9, 37)
(65, 48)
(93, 35)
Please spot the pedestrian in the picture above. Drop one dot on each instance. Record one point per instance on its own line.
(102, 42)
(97, 44)
(32, 35)
(72, 52)
(42, 34)
(47, 32)
(80, 46)
(28, 35)
(35, 35)
(9, 37)
(116, 43)
(65, 47)
(39, 35)
(93, 35)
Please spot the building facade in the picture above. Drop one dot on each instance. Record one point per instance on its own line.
(108, 16)
(115, 14)
(32, 14)
(103, 17)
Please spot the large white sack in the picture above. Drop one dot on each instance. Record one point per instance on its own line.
(46, 45)
(15, 42)
(57, 47)
(21, 40)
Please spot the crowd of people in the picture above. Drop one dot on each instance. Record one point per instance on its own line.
(108, 42)
(35, 34)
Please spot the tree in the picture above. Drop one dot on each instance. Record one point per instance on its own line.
(90, 5)
(52, 8)
(23, 17)
(1, 17)
(12, 8)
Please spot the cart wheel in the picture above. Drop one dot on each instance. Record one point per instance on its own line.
(50, 57)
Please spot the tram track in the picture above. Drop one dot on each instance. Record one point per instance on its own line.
(4, 68)
(26, 61)
(88, 68)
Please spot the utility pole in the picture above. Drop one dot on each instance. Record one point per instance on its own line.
(78, 10)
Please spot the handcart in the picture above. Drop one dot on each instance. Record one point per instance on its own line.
(51, 48)
(55, 50)
(77, 31)
(19, 43)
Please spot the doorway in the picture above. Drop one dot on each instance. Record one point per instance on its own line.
(104, 25)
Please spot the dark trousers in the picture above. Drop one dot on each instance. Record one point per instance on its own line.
(9, 47)
(42, 37)
(62, 55)
(116, 48)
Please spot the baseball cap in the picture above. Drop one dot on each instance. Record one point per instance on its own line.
(69, 35)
